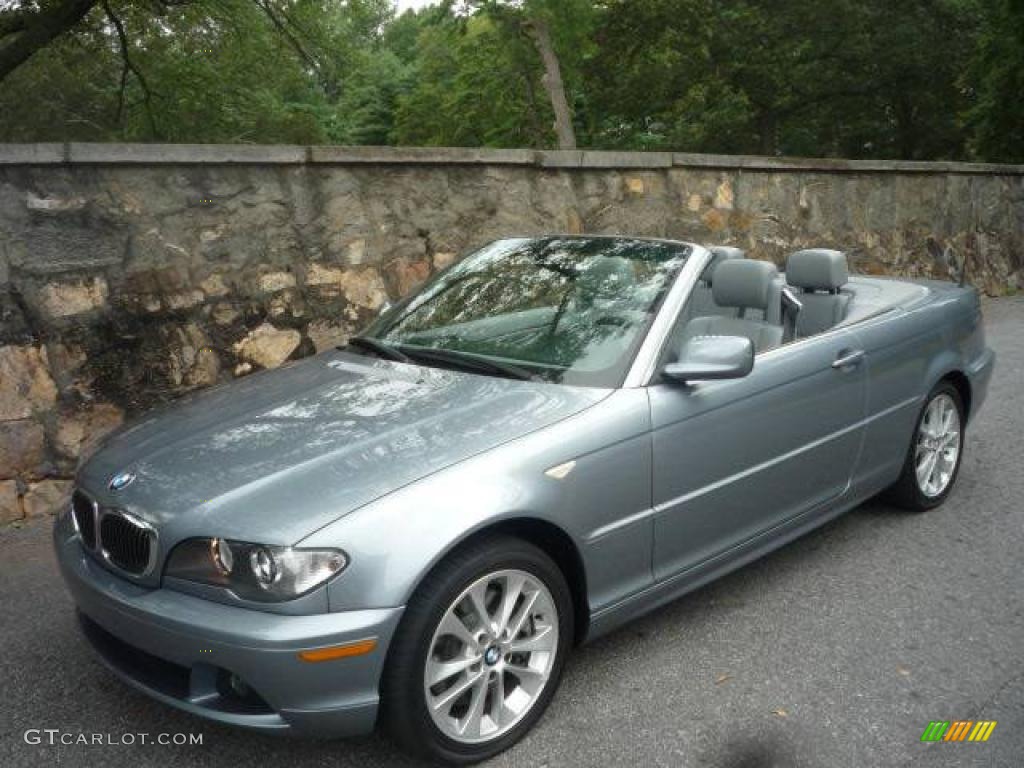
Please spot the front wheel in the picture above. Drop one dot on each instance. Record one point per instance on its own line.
(479, 652)
(933, 460)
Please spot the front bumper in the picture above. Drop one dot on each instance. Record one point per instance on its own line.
(181, 650)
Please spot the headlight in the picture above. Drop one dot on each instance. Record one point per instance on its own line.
(222, 555)
(254, 571)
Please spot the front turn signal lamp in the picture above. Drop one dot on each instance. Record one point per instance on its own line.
(257, 572)
(346, 651)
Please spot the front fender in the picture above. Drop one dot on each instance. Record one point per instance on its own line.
(394, 542)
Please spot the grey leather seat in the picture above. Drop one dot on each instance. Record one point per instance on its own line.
(773, 313)
(745, 285)
(819, 275)
(720, 253)
(701, 300)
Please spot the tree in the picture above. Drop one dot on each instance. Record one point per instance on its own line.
(916, 79)
(913, 54)
(853, 77)
(366, 113)
(537, 18)
(25, 29)
(205, 70)
(996, 77)
(552, 80)
(472, 86)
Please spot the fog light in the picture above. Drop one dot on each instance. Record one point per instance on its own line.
(238, 686)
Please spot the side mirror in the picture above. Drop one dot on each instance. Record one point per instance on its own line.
(712, 357)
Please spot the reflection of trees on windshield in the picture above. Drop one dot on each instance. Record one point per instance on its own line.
(571, 308)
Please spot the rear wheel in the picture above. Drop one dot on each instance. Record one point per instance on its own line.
(933, 459)
(479, 653)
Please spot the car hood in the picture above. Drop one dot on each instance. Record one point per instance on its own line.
(277, 455)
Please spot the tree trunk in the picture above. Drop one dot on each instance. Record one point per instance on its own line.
(23, 33)
(766, 129)
(553, 84)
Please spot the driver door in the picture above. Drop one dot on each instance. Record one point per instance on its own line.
(734, 459)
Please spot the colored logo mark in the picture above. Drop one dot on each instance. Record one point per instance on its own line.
(958, 730)
(121, 480)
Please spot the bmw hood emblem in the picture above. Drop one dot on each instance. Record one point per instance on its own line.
(121, 480)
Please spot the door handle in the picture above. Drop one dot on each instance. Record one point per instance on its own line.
(848, 359)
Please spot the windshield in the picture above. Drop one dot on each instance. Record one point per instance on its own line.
(571, 310)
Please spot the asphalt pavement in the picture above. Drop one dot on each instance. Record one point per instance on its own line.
(837, 650)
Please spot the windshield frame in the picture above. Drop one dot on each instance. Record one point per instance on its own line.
(637, 348)
(644, 368)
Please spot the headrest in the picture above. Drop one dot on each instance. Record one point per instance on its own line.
(817, 268)
(607, 277)
(720, 253)
(744, 283)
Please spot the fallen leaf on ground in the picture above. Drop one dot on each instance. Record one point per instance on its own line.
(780, 712)
(722, 678)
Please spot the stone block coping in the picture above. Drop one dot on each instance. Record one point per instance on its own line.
(89, 154)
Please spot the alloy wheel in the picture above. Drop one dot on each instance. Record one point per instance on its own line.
(491, 656)
(937, 446)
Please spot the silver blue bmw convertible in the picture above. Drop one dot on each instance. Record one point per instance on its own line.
(551, 437)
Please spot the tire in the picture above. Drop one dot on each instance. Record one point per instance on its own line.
(910, 492)
(436, 634)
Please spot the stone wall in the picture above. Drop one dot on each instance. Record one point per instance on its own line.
(131, 274)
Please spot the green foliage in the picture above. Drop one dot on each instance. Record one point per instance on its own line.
(473, 85)
(916, 79)
(852, 77)
(40, 101)
(366, 112)
(996, 118)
